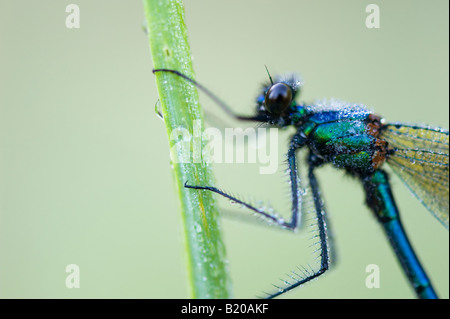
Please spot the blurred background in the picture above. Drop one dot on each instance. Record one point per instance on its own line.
(84, 161)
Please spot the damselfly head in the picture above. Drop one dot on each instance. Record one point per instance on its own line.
(277, 99)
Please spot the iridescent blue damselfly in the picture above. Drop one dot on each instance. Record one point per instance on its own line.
(352, 138)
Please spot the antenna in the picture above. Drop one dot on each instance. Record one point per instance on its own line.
(271, 82)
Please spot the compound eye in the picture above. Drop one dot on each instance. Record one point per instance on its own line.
(278, 98)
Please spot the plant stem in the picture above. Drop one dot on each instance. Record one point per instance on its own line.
(207, 268)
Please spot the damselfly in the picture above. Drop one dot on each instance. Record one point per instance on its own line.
(352, 138)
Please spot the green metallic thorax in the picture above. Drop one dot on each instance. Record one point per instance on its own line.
(344, 142)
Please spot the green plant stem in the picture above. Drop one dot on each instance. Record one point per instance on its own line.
(207, 268)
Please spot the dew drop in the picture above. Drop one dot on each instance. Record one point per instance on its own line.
(198, 228)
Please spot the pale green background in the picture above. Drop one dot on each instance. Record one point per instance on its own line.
(84, 163)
